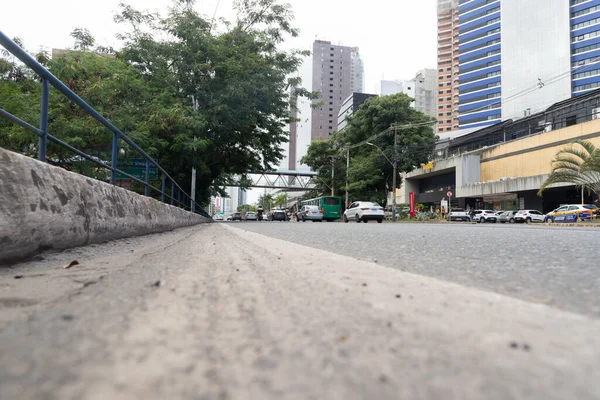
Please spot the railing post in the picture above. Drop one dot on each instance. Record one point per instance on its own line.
(179, 197)
(43, 140)
(113, 160)
(162, 188)
(147, 187)
(172, 191)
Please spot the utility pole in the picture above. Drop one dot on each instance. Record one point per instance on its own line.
(332, 176)
(347, 175)
(193, 190)
(395, 173)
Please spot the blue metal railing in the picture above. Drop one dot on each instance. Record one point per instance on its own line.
(177, 196)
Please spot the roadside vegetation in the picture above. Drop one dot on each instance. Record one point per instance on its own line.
(190, 90)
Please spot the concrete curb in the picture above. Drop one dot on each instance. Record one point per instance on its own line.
(45, 207)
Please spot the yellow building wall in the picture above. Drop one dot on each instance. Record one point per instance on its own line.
(532, 163)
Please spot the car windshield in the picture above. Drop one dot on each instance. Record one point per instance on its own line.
(313, 208)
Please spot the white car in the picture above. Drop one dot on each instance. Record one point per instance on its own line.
(529, 216)
(364, 211)
(218, 217)
(485, 216)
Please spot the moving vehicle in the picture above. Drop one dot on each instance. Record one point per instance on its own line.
(309, 213)
(506, 216)
(250, 216)
(236, 216)
(364, 211)
(458, 214)
(277, 215)
(259, 213)
(485, 216)
(218, 217)
(573, 213)
(529, 216)
(330, 206)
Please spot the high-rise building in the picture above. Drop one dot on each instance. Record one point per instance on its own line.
(422, 88)
(332, 78)
(358, 72)
(391, 87)
(293, 129)
(447, 87)
(350, 106)
(518, 57)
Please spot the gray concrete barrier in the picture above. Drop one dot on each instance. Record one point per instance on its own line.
(44, 207)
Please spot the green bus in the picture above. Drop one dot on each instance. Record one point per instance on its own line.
(330, 206)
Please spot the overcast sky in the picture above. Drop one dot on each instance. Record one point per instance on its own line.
(396, 38)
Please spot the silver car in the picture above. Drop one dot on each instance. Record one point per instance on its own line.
(506, 216)
(250, 216)
(309, 213)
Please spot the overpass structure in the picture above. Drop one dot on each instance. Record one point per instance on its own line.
(286, 180)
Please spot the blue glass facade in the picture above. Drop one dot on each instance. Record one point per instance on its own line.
(480, 66)
(585, 45)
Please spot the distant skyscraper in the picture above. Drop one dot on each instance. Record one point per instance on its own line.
(332, 77)
(358, 72)
(293, 129)
(447, 95)
(505, 59)
(422, 88)
(350, 106)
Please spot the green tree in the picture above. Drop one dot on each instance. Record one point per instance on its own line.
(370, 173)
(266, 201)
(578, 165)
(83, 39)
(246, 207)
(237, 82)
(281, 200)
(191, 91)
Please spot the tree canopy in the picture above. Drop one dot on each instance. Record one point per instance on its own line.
(579, 165)
(191, 91)
(371, 171)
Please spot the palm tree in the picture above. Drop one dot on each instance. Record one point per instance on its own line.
(266, 201)
(281, 200)
(578, 165)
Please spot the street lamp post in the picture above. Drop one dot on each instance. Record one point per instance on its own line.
(395, 167)
(347, 175)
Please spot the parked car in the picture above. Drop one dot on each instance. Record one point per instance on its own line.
(250, 216)
(228, 218)
(458, 214)
(485, 216)
(506, 216)
(236, 216)
(364, 211)
(573, 213)
(218, 217)
(309, 213)
(529, 216)
(277, 215)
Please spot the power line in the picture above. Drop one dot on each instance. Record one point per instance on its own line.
(538, 86)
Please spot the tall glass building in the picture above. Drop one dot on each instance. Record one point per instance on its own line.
(518, 57)
(480, 63)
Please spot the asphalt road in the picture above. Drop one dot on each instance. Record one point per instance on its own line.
(216, 312)
(559, 266)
